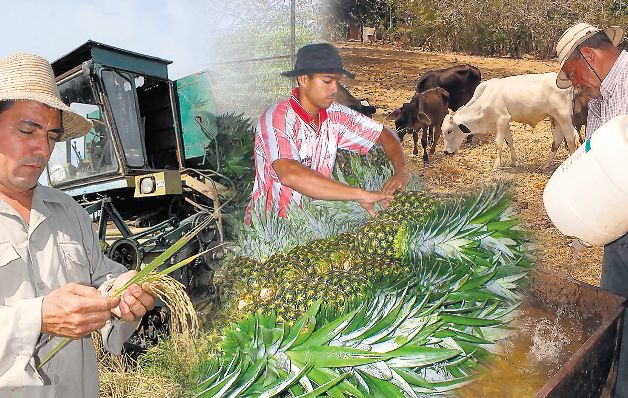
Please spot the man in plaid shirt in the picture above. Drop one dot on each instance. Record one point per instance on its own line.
(296, 140)
(597, 70)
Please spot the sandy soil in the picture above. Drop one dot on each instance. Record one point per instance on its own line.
(387, 76)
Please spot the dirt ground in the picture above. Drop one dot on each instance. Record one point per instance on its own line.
(388, 75)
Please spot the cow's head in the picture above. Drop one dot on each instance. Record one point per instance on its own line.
(453, 134)
(408, 118)
(367, 109)
(364, 108)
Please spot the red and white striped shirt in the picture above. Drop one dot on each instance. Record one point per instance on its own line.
(286, 131)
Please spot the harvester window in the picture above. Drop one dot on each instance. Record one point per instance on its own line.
(160, 137)
(86, 156)
(120, 90)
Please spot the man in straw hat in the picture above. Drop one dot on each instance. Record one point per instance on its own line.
(54, 276)
(296, 140)
(590, 61)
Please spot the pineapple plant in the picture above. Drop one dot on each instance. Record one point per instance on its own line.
(389, 345)
(380, 251)
(329, 318)
(451, 267)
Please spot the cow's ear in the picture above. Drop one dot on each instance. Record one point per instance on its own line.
(424, 119)
(393, 115)
(464, 129)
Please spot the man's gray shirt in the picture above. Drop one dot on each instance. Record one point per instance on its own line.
(56, 247)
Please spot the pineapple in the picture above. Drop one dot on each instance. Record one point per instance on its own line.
(247, 301)
(285, 267)
(377, 157)
(377, 238)
(290, 302)
(343, 163)
(344, 241)
(302, 255)
(336, 260)
(409, 206)
(291, 297)
(412, 200)
(235, 275)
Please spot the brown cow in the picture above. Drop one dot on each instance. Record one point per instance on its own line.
(426, 112)
(579, 115)
(459, 81)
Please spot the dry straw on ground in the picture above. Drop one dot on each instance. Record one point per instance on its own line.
(160, 372)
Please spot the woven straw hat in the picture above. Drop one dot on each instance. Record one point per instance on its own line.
(30, 77)
(573, 37)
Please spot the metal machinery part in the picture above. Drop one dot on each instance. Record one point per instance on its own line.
(126, 251)
(134, 249)
(197, 277)
(141, 169)
(208, 234)
(153, 325)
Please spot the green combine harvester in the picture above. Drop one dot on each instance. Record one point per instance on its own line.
(150, 169)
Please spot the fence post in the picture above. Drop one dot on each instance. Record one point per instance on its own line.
(293, 37)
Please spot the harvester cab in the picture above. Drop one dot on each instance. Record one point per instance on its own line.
(141, 170)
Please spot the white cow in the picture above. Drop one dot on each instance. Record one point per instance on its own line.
(524, 98)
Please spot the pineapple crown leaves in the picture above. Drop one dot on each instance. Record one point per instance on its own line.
(320, 219)
(508, 282)
(382, 344)
(471, 280)
(369, 172)
(343, 216)
(315, 219)
(476, 226)
(267, 234)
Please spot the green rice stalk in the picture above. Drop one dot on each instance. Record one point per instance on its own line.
(148, 274)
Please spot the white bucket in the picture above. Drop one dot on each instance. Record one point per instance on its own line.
(587, 196)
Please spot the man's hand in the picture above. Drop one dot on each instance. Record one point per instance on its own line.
(369, 198)
(135, 301)
(397, 182)
(75, 311)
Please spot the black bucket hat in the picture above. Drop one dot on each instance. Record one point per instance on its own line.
(317, 58)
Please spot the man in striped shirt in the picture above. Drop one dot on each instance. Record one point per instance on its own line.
(296, 140)
(591, 62)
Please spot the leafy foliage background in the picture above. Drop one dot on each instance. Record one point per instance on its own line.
(483, 27)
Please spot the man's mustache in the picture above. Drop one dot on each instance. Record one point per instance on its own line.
(35, 160)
